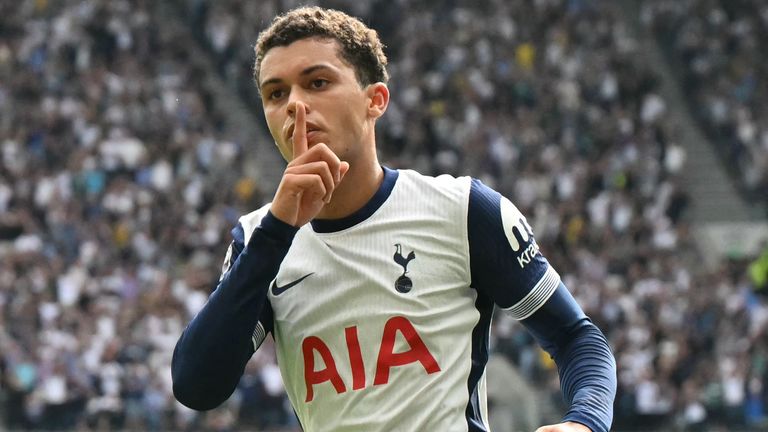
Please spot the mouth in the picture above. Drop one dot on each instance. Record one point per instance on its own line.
(311, 127)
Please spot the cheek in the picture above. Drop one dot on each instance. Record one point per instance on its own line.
(275, 131)
(354, 118)
(275, 127)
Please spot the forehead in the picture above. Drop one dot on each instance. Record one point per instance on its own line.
(284, 61)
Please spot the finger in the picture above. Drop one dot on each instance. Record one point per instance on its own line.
(319, 168)
(300, 131)
(343, 169)
(321, 152)
(305, 185)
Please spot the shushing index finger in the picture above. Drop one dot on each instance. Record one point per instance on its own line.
(300, 131)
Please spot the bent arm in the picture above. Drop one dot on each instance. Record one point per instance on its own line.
(212, 352)
(508, 267)
(584, 360)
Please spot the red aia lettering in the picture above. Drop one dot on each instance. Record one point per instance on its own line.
(311, 376)
(355, 358)
(418, 352)
(387, 358)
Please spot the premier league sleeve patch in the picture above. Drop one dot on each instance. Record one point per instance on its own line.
(235, 247)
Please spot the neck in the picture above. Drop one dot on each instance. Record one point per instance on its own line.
(357, 188)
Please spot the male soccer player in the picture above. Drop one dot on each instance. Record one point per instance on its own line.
(378, 285)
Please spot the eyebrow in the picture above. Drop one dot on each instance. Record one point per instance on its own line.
(304, 72)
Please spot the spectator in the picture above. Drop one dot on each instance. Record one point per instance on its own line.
(118, 187)
(715, 46)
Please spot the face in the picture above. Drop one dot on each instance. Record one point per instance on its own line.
(338, 110)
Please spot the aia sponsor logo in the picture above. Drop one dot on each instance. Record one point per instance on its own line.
(416, 355)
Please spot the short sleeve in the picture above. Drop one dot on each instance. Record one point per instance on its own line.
(505, 260)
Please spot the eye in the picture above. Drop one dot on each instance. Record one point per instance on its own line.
(319, 83)
(276, 94)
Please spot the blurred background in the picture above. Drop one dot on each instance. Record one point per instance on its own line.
(633, 134)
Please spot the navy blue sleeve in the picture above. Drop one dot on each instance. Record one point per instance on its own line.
(584, 360)
(265, 322)
(505, 261)
(211, 354)
(507, 266)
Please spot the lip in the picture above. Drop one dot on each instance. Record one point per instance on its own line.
(312, 136)
(311, 127)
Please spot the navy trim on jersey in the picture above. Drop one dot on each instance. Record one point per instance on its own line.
(381, 195)
(480, 338)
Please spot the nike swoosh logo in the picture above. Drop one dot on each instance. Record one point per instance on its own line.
(277, 290)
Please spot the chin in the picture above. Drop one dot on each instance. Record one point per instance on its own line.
(284, 154)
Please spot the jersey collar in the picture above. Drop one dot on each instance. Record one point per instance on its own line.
(381, 195)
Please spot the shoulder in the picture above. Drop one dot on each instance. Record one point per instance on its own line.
(442, 179)
(444, 195)
(444, 184)
(249, 222)
(467, 191)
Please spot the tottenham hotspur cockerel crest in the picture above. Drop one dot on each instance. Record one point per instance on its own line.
(403, 284)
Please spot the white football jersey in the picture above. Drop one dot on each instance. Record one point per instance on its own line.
(376, 323)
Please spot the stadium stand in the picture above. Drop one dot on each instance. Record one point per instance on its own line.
(715, 45)
(119, 184)
(117, 191)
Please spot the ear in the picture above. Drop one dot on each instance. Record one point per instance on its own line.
(378, 99)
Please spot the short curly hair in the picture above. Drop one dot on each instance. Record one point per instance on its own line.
(360, 45)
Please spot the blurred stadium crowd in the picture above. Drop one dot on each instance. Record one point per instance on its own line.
(119, 185)
(716, 47)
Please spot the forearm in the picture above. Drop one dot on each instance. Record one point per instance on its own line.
(211, 353)
(584, 360)
(588, 378)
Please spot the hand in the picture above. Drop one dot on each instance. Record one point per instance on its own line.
(564, 427)
(310, 178)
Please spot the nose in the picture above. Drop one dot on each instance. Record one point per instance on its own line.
(297, 96)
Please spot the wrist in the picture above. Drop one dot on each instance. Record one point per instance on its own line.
(578, 427)
(276, 228)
